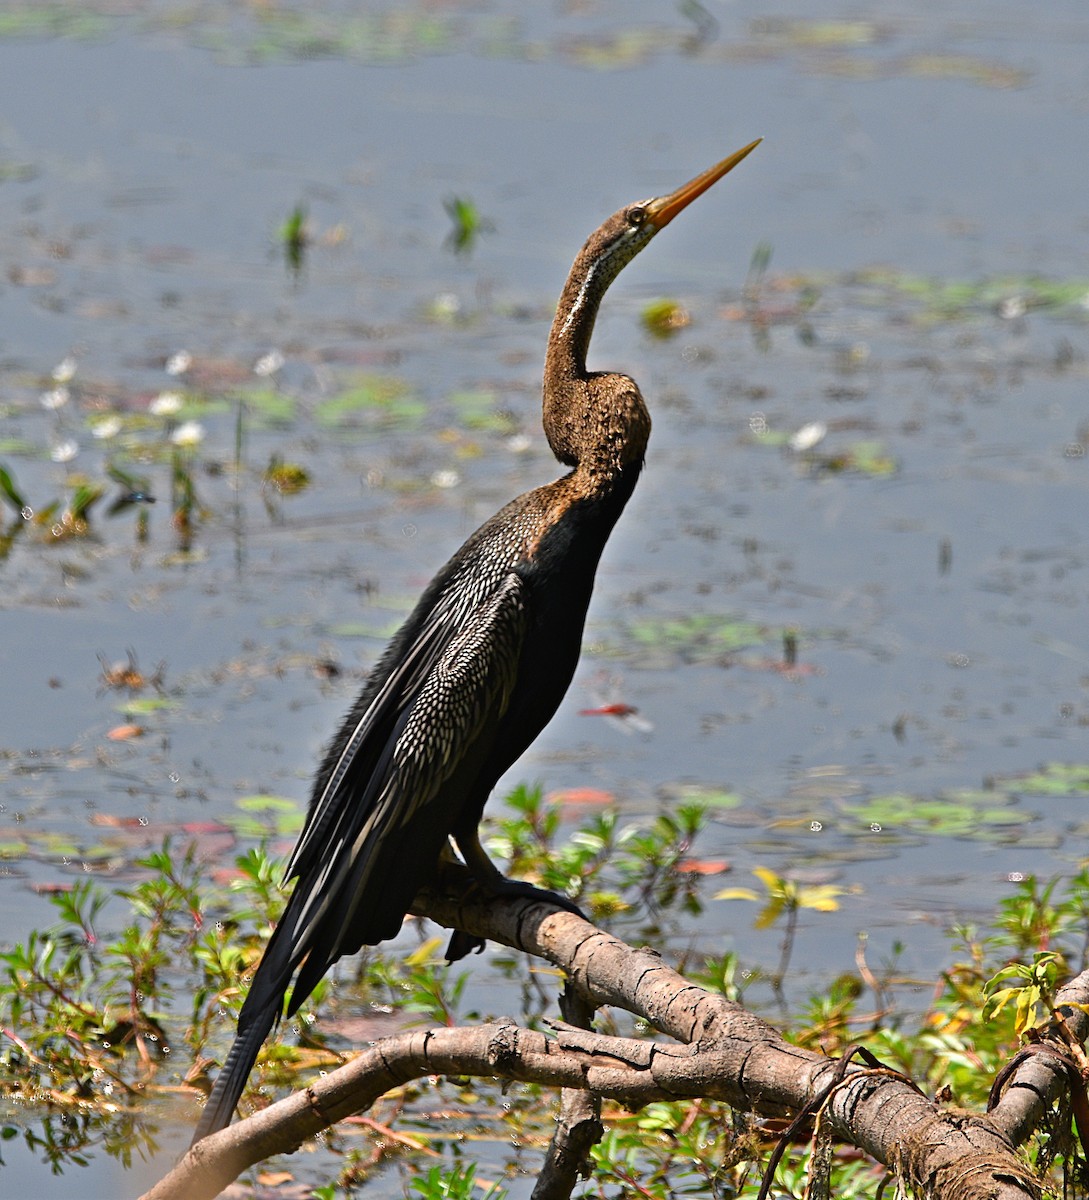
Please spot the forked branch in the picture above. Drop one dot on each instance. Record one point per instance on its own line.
(712, 1048)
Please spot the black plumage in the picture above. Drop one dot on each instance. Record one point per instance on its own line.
(470, 679)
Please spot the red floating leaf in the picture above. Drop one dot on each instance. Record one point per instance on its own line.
(125, 733)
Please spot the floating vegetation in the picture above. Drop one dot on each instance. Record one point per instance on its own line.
(20, 172)
(266, 816)
(1053, 779)
(142, 706)
(866, 458)
(271, 32)
(863, 457)
(75, 21)
(821, 33)
(706, 797)
(288, 479)
(968, 68)
(700, 637)
(383, 37)
(269, 406)
(664, 318)
(480, 412)
(383, 400)
(1005, 296)
(620, 50)
(362, 629)
(982, 815)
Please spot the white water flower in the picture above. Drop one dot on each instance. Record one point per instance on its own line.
(179, 363)
(165, 404)
(808, 436)
(268, 364)
(446, 479)
(64, 451)
(446, 306)
(65, 370)
(1012, 307)
(190, 433)
(107, 427)
(55, 399)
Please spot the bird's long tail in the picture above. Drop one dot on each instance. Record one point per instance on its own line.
(231, 1080)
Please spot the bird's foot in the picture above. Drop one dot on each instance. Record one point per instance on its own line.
(530, 891)
(462, 944)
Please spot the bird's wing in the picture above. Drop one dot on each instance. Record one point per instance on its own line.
(459, 678)
(365, 743)
(347, 893)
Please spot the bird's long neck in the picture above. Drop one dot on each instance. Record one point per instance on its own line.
(597, 423)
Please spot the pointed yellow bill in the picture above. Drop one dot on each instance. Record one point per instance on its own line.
(661, 211)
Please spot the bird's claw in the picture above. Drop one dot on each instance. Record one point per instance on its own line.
(462, 944)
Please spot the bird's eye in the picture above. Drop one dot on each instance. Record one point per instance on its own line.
(636, 216)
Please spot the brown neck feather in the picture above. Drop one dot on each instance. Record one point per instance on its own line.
(595, 422)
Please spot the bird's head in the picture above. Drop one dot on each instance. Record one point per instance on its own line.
(580, 419)
(619, 239)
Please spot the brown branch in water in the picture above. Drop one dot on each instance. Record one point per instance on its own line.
(719, 1051)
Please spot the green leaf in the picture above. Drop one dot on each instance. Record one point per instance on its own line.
(10, 492)
(86, 496)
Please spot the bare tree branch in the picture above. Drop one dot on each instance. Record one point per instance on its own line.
(718, 1050)
(1041, 1080)
(578, 1127)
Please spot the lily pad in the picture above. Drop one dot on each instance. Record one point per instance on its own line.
(383, 397)
(983, 815)
(706, 797)
(360, 629)
(701, 637)
(1055, 779)
(481, 411)
(141, 705)
(269, 406)
(263, 815)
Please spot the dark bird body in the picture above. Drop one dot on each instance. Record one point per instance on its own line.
(472, 676)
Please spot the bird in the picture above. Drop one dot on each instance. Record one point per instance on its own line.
(471, 678)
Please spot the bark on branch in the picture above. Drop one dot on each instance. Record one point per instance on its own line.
(716, 1050)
